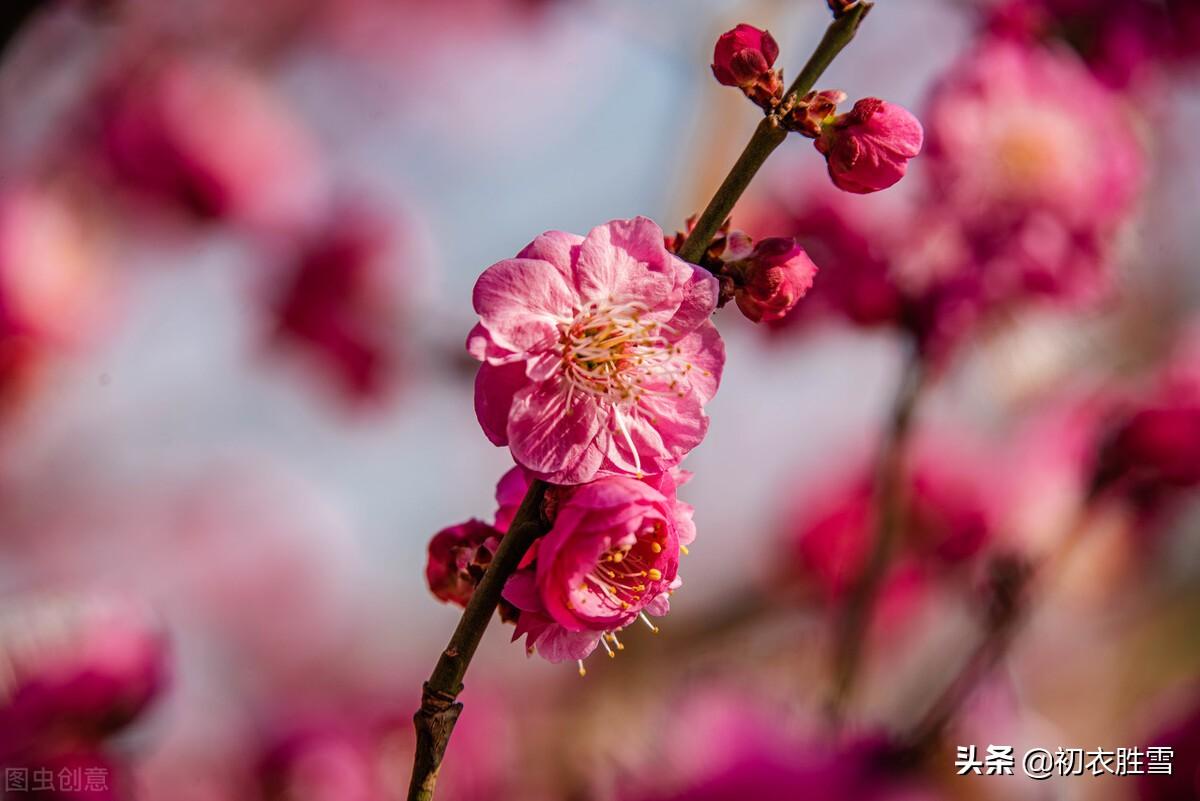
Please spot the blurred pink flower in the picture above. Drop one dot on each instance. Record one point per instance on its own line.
(1036, 164)
(341, 304)
(76, 670)
(611, 556)
(1181, 734)
(325, 761)
(1123, 41)
(772, 279)
(598, 354)
(948, 519)
(458, 556)
(865, 769)
(210, 138)
(53, 290)
(869, 147)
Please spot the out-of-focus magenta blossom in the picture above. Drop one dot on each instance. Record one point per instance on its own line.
(1034, 165)
(598, 354)
(773, 279)
(458, 557)
(948, 520)
(341, 305)
(1124, 42)
(867, 769)
(743, 56)
(1182, 735)
(76, 671)
(326, 761)
(1153, 449)
(211, 139)
(610, 558)
(52, 289)
(868, 148)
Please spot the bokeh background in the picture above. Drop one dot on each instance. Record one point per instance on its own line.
(237, 242)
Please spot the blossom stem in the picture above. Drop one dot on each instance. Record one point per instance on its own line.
(889, 504)
(769, 135)
(440, 707)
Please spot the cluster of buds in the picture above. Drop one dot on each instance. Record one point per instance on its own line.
(867, 148)
(766, 279)
(744, 57)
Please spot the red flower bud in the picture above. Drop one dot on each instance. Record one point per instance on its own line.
(868, 148)
(743, 56)
(773, 279)
(458, 557)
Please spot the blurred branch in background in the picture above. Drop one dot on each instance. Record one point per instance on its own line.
(889, 513)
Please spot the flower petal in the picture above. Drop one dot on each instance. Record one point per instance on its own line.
(521, 302)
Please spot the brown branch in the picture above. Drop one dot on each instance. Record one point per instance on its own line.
(889, 502)
(440, 707)
(769, 134)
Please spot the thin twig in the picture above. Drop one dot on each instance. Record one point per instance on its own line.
(769, 134)
(889, 502)
(439, 699)
(440, 707)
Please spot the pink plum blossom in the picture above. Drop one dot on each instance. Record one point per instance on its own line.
(869, 147)
(598, 354)
(610, 558)
(1036, 165)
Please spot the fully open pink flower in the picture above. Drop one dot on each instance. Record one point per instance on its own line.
(611, 557)
(598, 354)
(869, 147)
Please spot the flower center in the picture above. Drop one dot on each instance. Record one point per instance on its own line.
(611, 353)
(622, 579)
